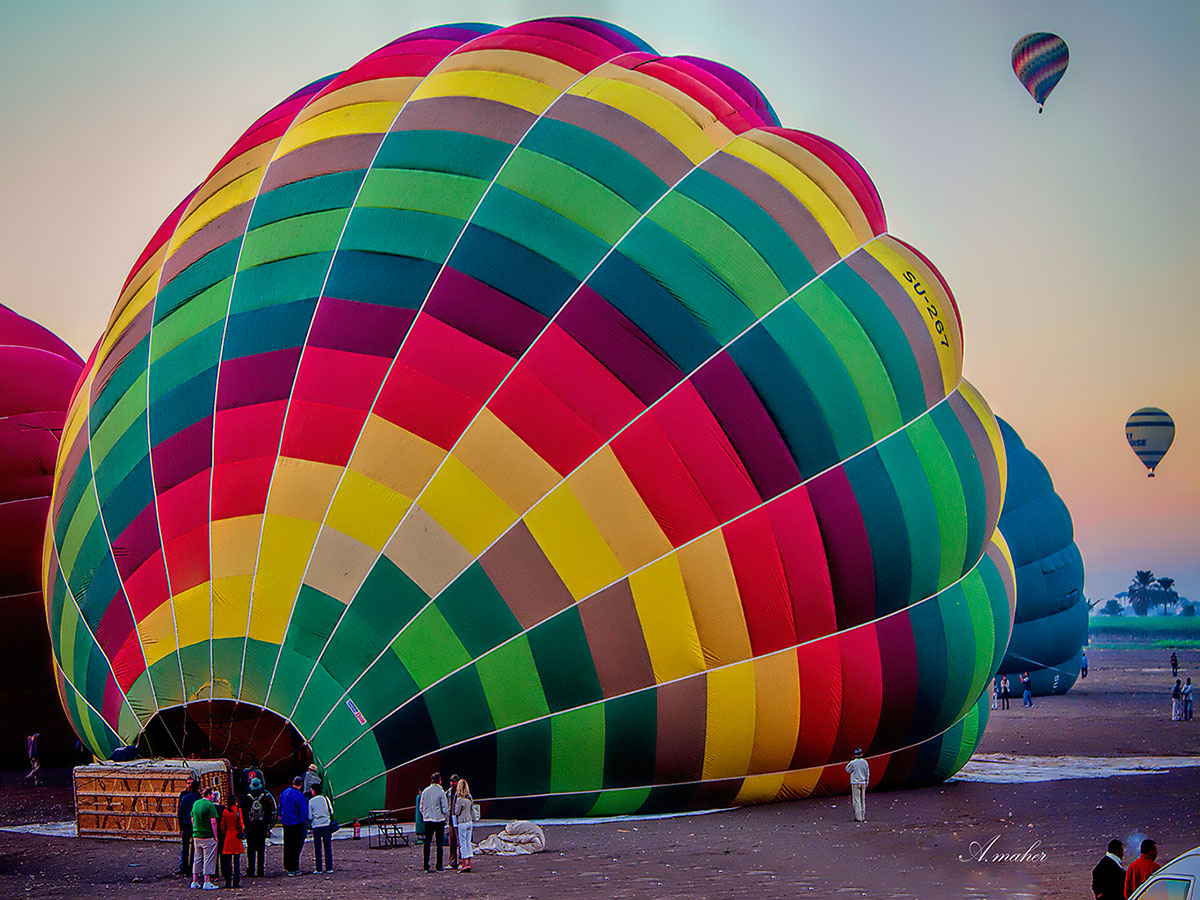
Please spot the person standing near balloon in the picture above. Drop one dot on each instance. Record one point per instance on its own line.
(1187, 700)
(1083, 668)
(860, 776)
(464, 816)
(1174, 664)
(1005, 692)
(293, 816)
(258, 814)
(434, 810)
(1026, 690)
(1177, 701)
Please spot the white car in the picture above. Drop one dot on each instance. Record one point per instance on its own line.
(1177, 880)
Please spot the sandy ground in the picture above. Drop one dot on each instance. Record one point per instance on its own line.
(916, 844)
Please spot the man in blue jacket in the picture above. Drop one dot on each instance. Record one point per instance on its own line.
(187, 799)
(293, 816)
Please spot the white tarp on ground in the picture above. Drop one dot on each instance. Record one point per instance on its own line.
(516, 838)
(1006, 768)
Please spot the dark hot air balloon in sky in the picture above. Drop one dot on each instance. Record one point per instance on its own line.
(1039, 61)
(1150, 432)
(526, 403)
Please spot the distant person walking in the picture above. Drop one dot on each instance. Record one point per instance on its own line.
(1142, 867)
(1026, 690)
(1174, 664)
(996, 692)
(1083, 666)
(232, 847)
(860, 775)
(293, 816)
(464, 818)
(1187, 700)
(31, 750)
(258, 814)
(434, 811)
(1108, 878)
(187, 799)
(204, 836)
(1005, 692)
(320, 814)
(1177, 702)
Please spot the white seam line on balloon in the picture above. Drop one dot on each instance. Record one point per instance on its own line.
(217, 380)
(436, 70)
(449, 453)
(370, 411)
(112, 553)
(162, 544)
(79, 694)
(96, 644)
(628, 575)
(751, 661)
(685, 380)
(698, 781)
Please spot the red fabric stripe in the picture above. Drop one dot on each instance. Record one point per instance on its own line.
(862, 691)
(184, 507)
(798, 540)
(462, 363)
(820, 666)
(762, 582)
(424, 406)
(321, 433)
(187, 558)
(248, 432)
(240, 488)
(544, 421)
(147, 587)
(339, 378)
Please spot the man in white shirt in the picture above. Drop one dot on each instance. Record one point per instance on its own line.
(860, 774)
(434, 810)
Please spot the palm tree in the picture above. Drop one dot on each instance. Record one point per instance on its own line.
(1141, 591)
(1166, 591)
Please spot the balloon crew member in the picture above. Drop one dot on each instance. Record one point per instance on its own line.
(258, 815)
(860, 775)
(187, 799)
(293, 815)
(435, 811)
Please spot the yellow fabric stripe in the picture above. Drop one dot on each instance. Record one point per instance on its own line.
(654, 104)
(285, 551)
(729, 732)
(618, 511)
(934, 305)
(760, 789)
(231, 605)
(234, 545)
(505, 463)
(821, 175)
(715, 600)
(359, 118)
(531, 66)
(256, 157)
(797, 181)
(237, 192)
(192, 611)
(394, 457)
(366, 510)
(667, 627)
(801, 783)
(116, 329)
(157, 631)
(389, 90)
(777, 712)
(466, 507)
(571, 543)
(513, 90)
(988, 419)
(302, 488)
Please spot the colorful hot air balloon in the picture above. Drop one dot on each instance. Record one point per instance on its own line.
(1039, 61)
(1150, 432)
(37, 374)
(1052, 613)
(524, 403)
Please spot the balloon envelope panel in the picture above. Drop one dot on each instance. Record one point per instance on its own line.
(37, 374)
(523, 403)
(1052, 613)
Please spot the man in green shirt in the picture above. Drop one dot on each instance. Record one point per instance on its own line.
(205, 816)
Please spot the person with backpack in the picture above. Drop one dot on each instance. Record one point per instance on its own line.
(258, 814)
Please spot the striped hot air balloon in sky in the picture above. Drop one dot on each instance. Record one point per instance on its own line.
(1039, 61)
(1150, 432)
(525, 403)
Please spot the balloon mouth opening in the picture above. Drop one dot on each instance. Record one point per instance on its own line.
(244, 733)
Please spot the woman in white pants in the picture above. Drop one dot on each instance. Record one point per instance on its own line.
(464, 815)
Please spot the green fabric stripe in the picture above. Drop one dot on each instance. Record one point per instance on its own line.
(452, 196)
(510, 681)
(920, 516)
(947, 495)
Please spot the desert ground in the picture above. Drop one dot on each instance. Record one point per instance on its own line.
(916, 844)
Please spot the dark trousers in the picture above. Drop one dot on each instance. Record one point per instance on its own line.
(323, 837)
(293, 843)
(231, 869)
(1004, 701)
(452, 842)
(256, 848)
(432, 829)
(185, 851)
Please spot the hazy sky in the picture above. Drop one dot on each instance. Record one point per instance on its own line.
(1069, 239)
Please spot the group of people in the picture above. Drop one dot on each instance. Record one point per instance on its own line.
(454, 807)
(1002, 691)
(1112, 881)
(1181, 694)
(209, 829)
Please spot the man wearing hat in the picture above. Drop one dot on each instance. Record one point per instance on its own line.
(860, 774)
(258, 814)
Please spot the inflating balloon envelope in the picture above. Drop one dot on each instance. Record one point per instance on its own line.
(522, 403)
